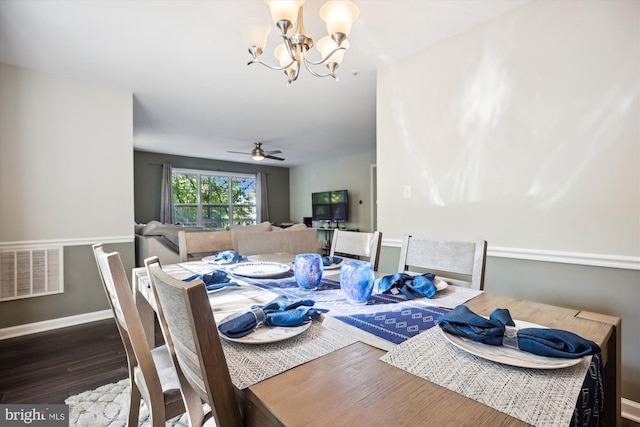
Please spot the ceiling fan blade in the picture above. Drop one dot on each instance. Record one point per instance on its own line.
(268, 156)
(272, 152)
(238, 152)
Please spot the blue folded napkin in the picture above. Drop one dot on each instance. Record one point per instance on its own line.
(213, 281)
(496, 331)
(279, 312)
(327, 261)
(229, 257)
(410, 286)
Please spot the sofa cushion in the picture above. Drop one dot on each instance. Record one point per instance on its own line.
(149, 227)
(296, 227)
(263, 226)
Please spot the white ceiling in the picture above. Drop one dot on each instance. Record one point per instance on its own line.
(194, 94)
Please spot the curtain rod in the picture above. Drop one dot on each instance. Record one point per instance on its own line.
(213, 170)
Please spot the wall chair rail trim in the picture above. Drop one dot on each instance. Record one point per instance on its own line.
(67, 242)
(592, 260)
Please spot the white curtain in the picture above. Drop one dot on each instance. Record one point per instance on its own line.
(263, 200)
(167, 215)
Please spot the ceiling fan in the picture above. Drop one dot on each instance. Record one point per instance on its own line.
(259, 154)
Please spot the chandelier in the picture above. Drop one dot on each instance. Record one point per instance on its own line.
(292, 54)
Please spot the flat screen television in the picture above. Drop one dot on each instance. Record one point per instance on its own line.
(330, 206)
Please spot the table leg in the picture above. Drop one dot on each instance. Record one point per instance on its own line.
(612, 369)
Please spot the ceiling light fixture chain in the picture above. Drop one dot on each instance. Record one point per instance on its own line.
(338, 15)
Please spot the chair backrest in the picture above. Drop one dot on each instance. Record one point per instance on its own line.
(292, 241)
(458, 263)
(195, 341)
(193, 245)
(116, 285)
(357, 243)
(191, 398)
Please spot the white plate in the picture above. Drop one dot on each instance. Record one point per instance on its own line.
(510, 356)
(333, 266)
(211, 260)
(230, 287)
(440, 284)
(267, 334)
(258, 269)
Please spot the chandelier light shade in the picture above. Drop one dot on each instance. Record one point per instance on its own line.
(339, 16)
(284, 10)
(256, 33)
(329, 49)
(292, 54)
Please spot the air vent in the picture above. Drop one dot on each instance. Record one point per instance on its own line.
(30, 272)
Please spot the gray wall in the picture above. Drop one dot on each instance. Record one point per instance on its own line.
(352, 173)
(83, 291)
(148, 179)
(524, 131)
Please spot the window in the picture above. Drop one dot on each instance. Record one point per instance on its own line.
(213, 200)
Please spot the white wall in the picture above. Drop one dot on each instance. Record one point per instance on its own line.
(350, 172)
(66, 158)
(66, 178)
(525, 131)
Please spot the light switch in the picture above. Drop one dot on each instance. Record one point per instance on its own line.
(406, 192)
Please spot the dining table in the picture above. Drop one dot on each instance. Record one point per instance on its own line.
(387, 363)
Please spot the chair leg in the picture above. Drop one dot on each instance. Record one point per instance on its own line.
(157, 416)
(157, 413)
(134, 405)
(193, 405)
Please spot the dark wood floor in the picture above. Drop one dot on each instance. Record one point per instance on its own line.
(50, 366)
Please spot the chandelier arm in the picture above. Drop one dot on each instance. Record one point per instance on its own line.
(322, 61)
(308, 64)
(289, 47)
(259, 61)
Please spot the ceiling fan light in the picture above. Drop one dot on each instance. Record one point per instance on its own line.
(257, 154)
(339, 16)
(284, 10)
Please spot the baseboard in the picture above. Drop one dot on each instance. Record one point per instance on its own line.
(47, 325)
(630, 410)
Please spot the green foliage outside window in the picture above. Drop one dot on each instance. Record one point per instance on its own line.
(213, 201)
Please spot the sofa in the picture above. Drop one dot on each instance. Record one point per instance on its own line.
(163, 240)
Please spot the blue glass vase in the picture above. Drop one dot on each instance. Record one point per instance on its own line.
(356, 281)
(307, 269)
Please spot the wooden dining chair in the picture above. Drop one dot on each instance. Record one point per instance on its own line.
(458, 263)
(151, 372)
(357, 244)
(194, 245)
(193, 335)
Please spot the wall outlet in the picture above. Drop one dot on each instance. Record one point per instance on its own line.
(406, 192)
